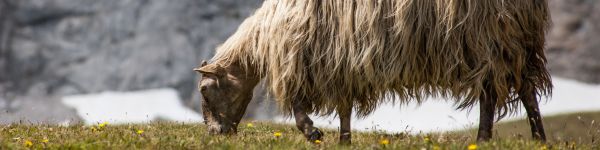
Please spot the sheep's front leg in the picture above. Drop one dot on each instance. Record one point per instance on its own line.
(304, 123)
(345, 128)
(487, 109)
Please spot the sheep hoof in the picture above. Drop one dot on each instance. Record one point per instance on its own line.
(316, 134)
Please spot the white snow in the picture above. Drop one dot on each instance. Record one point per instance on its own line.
(131, 107)
(436, 114)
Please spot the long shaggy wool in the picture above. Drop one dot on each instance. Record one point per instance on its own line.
(334, 54)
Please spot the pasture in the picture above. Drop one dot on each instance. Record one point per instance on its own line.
(572, 131)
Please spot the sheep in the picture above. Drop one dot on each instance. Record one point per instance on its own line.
(324, 56)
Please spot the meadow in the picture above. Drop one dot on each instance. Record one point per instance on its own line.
(571, 131)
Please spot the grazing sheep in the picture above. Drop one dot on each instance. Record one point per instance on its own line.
(326, 56)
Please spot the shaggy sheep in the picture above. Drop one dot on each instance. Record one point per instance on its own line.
(326, 56)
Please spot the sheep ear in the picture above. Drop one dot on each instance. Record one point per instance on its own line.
(214, 69)
(200, 70)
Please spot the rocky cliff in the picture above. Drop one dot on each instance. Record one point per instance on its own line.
(574, 41)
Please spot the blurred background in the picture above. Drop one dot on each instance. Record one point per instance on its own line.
(69, 61)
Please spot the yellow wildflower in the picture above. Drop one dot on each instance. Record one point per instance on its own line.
(317, 141)
(27, 143)
(436, 147)
(426, 139)
(249, 125)
(45, 141)
(277, 134)
(472, 147)
(543, 147)
(139, 131)
(384, 142)
(102, 125)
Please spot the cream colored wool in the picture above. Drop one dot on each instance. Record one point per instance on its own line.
(361, 53)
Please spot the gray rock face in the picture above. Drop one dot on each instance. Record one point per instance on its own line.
(83, 46)
(4, 36)
(574, 41)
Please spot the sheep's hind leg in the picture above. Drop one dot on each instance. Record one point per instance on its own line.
(533, 114)
(304, 123)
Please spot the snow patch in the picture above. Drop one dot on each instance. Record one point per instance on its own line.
(131, 107)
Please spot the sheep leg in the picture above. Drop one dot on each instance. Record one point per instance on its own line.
(345, 128)
(304, 123)
(533, 114)
(487, 107)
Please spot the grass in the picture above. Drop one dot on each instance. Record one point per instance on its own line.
(582, 128)
(564, 132)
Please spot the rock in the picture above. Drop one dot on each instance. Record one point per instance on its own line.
(5, 25)
(86, 46)
(574, 42)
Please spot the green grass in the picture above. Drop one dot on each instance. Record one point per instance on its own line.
(564, 132)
